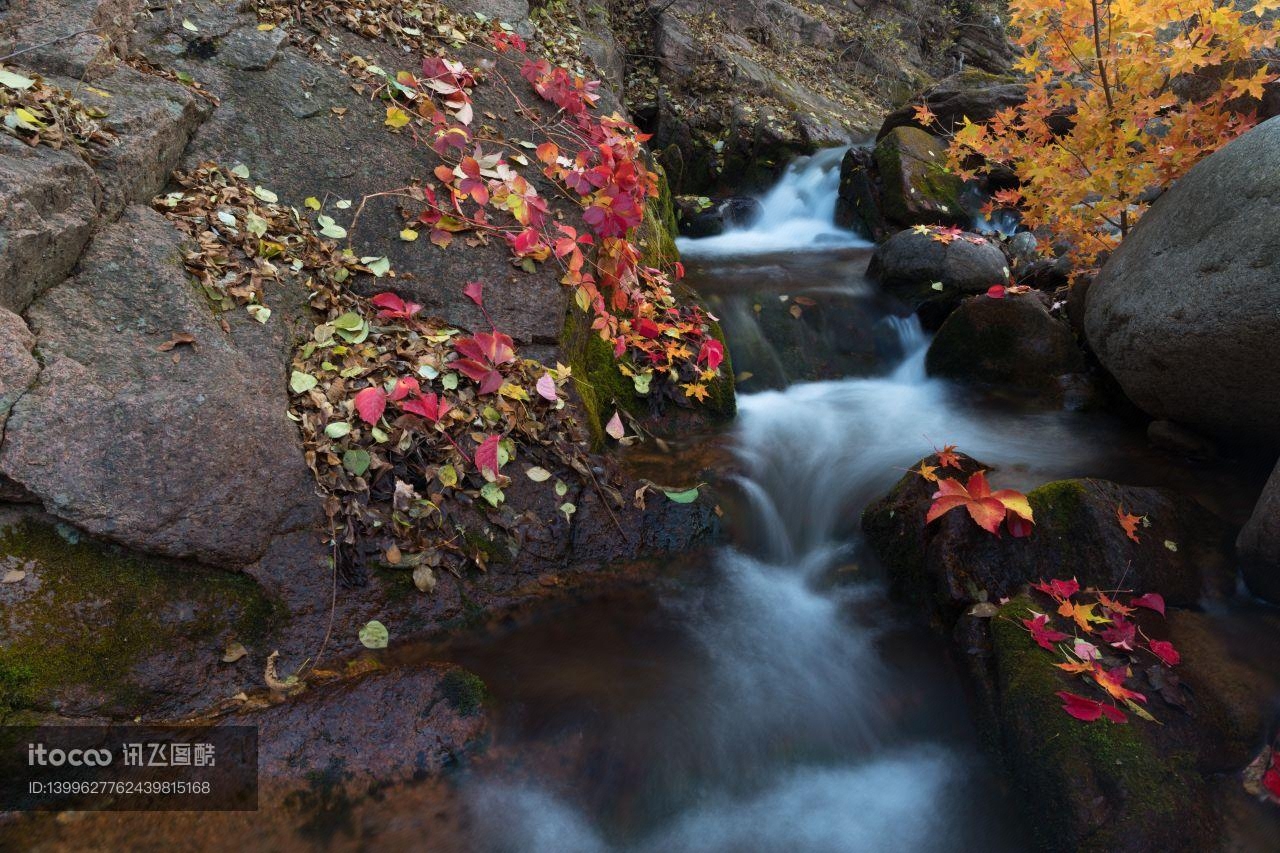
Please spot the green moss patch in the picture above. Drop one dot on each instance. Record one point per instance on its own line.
(87, 613)
(1090, 786)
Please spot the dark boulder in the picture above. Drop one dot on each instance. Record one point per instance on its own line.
(858, 198)
(1185, 314)
(1095, 786)
(1259, 543)
(1011, 342)
(699, 216)
(934, 274)
(1183, 551)
(972, 94)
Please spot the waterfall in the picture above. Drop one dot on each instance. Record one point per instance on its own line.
(798, 213)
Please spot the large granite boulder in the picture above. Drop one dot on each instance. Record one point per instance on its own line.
(1259, 543)
(177, 449)
(1186, 312)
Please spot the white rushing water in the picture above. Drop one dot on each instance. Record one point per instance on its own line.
(798, 213)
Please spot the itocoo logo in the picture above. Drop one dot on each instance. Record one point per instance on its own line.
(38, 754)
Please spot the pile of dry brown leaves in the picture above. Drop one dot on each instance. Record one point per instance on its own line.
(37, 112)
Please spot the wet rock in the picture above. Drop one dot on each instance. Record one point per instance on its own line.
(973, 93)
(1023, 250)
(48, 208)
(93, 630)
(18, 368)
(339, 743)
(1010, 342)
(1177, 439)
(915, 185)
(1091, 786)
(279, 122)
(1183, 552)
(926, 273)
(1259, 543)
(185, 453)
(858, 199)
(699, 216)
(1185, 313)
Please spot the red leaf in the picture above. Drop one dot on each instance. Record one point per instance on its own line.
(1059, 590)
(1271, 779)
(405, 386)
(394, 308)
(487, 457)
(430, 406)
(712, 353)
(1122, 634)
(996, 291)
(475, 292)
(1084, 708)
(1165, 651)
(370, 404)
(948, 458)
(1151, 601)
(1044, 636)
(1018, 526)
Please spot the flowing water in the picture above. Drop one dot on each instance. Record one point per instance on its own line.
(777, 700)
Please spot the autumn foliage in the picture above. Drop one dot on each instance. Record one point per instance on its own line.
(1123, 97)
(1100, 640)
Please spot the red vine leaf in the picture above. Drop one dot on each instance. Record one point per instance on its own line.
(370, 404)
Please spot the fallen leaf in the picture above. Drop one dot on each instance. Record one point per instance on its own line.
(374, 635)
(234, 652)
(14, 576)
(686, 496)
(1129, 523)
(1165, 651)
(1151, 601)
(424, 578)
(1084, 708)
(614, 428)
(179, 338)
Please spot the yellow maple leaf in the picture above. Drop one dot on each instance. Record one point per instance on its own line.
(396, 117)
(697, 390)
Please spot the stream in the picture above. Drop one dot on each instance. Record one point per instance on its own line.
(772, 697)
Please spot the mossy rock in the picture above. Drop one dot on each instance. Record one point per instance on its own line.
(1089, 786)
(465, 691)
(1012, 342)
(92, 629)
(600, 384)
(1184, 552)
(915, 185)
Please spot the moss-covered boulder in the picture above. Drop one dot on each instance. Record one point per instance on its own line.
(1090, 786)
(1183, 550)
(600, 383)
(88, 629)
(915, 184)
(1012, 342)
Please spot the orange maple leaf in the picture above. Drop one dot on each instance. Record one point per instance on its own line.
(947, 456)
(1129, 523)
